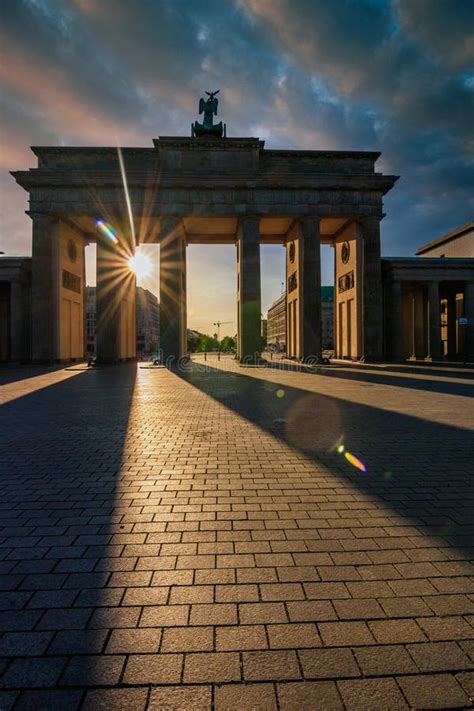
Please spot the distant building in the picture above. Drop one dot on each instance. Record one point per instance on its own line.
(148, 321)
(264, 329)
(276, 320)
(327, 318)
(90, 320)
(276, 323)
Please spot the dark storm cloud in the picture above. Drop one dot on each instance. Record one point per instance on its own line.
(367, 74)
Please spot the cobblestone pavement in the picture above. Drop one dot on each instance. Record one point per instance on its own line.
(197, 541)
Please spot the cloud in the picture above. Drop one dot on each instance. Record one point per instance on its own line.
(394, 76)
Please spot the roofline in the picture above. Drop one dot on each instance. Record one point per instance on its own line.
(446, 238)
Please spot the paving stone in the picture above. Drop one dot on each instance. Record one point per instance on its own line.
(328, 663)
(293, 636)
(262, 613)
(179, 698)
(345, 634)
(48, 699)
(371, 695)
(384, 660)
(245, 696)
(358, 609)
(211, 667)
(24, 644)
(241, 637)
(134, 641)
(188, 639)
(396, 631)
(93, 670)
(217, 614)
(436, 691)
(309, 695)
(439, 656)
(33, 672)
(116, 699)
(263, 666)
(153, 669)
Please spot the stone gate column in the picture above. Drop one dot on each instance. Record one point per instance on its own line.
(372, 290)
(44, 288)
(435, 321)
(107, 302)
(172, 288)
(311, 288)
(248, 289)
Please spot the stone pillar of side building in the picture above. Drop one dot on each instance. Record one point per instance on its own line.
(435, 349)
(18, 338)
(303, 288)
(44, 289)
(469, 328)
(172, 289)
(372, 290)
(452, 322)
(115, 303)
(248, 290)
(394, 321)
(419, 323)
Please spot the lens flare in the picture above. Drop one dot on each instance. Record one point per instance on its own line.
(107, 230)
(355, 462)
(280, 393)
(140, 264)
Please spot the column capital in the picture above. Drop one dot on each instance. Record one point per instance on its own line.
(39, 216)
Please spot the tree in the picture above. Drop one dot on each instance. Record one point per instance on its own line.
(207, 343)
(228, 343)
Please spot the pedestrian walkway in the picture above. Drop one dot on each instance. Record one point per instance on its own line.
(236, 538)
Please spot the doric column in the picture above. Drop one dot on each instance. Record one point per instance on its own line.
(372, 290)
(469, 314)
(435, 321)
(17, 319)
(248, 288)
(452, 322)
(107, 302)
(172, 288)
(44, 289)
(395, 321)
(311, 287)
(419, 323)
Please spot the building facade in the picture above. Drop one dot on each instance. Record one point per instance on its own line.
(276, 324)
(147, 321)
(277, 321)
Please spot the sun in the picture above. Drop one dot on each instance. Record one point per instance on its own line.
(140, 264)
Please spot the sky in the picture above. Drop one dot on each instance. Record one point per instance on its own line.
(395, 76)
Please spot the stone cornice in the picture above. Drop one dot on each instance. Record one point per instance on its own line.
(88, 180)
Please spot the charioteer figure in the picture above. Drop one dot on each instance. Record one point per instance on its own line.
(208, 107)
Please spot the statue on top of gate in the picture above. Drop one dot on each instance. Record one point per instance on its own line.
(207, 128)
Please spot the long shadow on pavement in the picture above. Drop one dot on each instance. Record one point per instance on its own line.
(421, 469)
(61, 454)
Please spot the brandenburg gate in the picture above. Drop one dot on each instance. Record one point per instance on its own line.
(207, 188)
